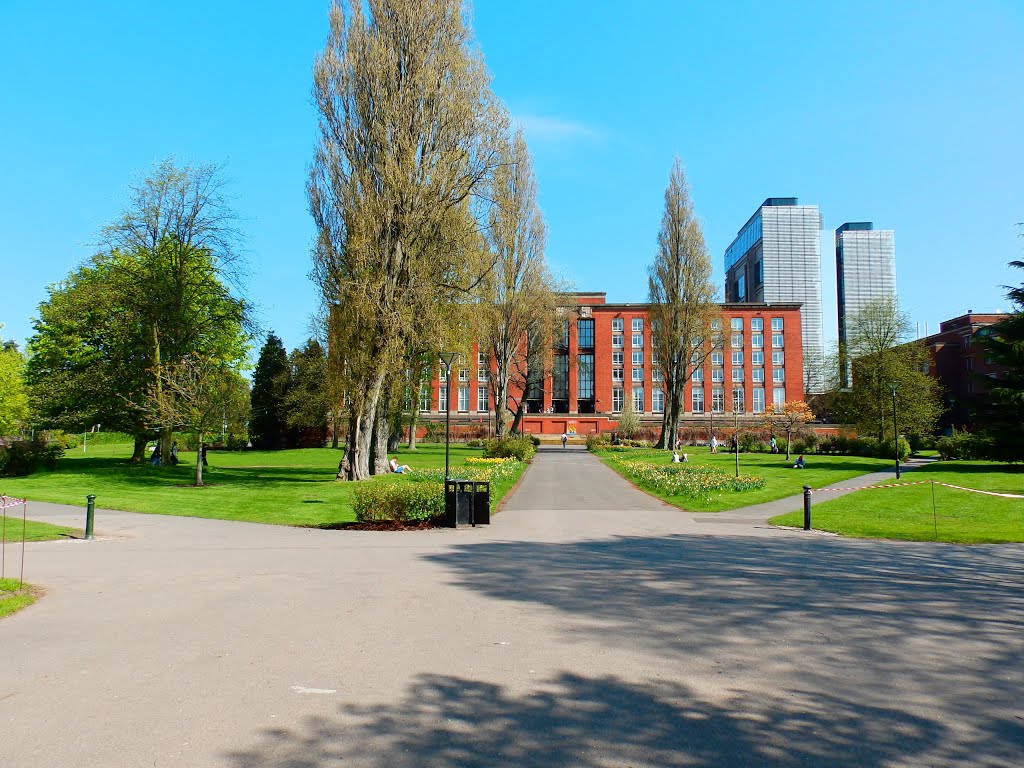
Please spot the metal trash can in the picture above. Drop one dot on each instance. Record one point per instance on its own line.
(466, 502)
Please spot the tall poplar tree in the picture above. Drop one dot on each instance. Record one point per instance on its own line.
(682, 298)
(406, 142)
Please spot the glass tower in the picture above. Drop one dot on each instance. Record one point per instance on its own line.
(776, 257)
(865, 272)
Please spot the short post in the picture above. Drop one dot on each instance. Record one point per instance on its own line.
(90, 514)
(807, 507)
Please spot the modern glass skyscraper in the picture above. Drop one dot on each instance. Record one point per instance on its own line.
(865, 272)
(776, 257)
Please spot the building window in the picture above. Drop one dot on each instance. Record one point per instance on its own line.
(655, 360)
(717, 358)
(697, 400)
(757, 358)
(463, 374)
(443, 375)
(758, 399)
(616, 399)
(736, 323)
(617, 358)
(779, 396)
(717, 374)
(483, 400)
(716, 324)
(638, 340)
(656, 374)
(483, 370)
(757, 340)
(697, 375)
(463, 399)
(737, 374)
(617, 325)
(777, 341)
(442, 398)
(638, 357)
(425, 397)
(757, 375)
(756, 324)
(559, 379)
(658, 401)
(778, 358)
(776, 324)
(778, 375)
(717, 400)
(638, 399)
(737, 358)
(737, 340)
(618, 340)
(637, 325)
(737, 401)
(638, 374)
(617, 374)
(585, 333)
(585, 376)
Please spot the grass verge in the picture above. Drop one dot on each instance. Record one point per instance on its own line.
(781, 480)
(14, 597)
(907, 513)
(280, 487)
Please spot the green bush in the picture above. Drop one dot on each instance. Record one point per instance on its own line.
(750, 442)
(598, 441)
(434, 432)
(25, 457)
(963, 445)
(476, 442)
(399, 502)
(521, 448)
(57, 437)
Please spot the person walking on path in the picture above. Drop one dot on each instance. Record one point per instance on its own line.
(774, 445)
(565, 439)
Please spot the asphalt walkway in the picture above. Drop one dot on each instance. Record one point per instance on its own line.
(590, 625)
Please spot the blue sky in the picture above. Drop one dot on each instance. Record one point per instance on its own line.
(907, 114)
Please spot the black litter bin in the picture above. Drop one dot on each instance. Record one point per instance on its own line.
(466, 502)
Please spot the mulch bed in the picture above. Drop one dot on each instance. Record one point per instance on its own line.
(382, 525)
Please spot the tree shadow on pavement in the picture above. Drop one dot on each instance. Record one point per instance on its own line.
(453, 722)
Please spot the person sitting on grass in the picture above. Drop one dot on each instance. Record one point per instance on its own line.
(799, 462)
(397, 468)
(678, 458)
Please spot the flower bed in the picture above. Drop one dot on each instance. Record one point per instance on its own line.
(686, 480)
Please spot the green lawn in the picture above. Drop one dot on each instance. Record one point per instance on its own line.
(781, 479)
(281, 487)
(906, 513)
(35, 530)
(13, 598)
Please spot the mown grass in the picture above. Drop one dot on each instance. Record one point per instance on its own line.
(14, 597)
(781, 480)
(11, 529)
(907, 513)
(280, 487)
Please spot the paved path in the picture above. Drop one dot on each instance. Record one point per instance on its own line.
(590, 625)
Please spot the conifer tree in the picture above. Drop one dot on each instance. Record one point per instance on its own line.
(267, 426)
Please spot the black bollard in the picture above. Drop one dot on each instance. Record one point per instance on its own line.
(90, 513)
(807, 507)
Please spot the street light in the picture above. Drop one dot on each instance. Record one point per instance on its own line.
(736, 438)
(895, 432)
(447, 358)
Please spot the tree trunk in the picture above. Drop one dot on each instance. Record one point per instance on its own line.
(413, 421)
(379, 442)
(356, 465)
(500, 408)
(518, 420)
(139, 449)
(334, 429)
(199, 463)
(789, 442)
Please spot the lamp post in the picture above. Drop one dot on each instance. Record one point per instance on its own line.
(736, 438)
(447, 358)
(895, 432)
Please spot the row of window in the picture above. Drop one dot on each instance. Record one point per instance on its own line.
(697, 399)
(483, 399)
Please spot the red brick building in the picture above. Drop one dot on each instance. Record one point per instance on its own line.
(960, 365)
(604, 355)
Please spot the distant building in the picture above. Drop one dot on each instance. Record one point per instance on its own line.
(961, 366)
(776, 258)
(865, 272)
(603, 354)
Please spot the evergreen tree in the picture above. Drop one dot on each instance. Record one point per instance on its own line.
(270, 382)
(1004, 344)
(305, 403)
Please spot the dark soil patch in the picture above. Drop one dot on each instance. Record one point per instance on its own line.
(382, 525)
(193, 485)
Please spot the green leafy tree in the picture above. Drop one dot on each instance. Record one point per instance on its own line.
(14, 409)
(882, 360)
(270, 383)
(629, 419)
(1004, 345)
(305, 401)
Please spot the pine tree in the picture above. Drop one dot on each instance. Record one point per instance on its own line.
(1004, 344)
(267, 428)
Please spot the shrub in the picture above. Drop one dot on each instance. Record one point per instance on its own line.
(963, 445)
(521, 448)
(401, 502)
(535, 440)
(598, 441)
(474, 443)
(750, 442)
(25, 457)
(799, 446)
(434, 432)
